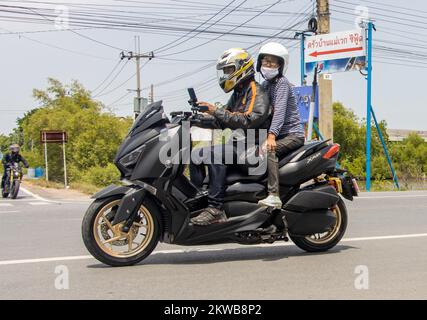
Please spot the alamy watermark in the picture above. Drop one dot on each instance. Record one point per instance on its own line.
(62, 280)
(361, 282)
(362, 16)
(62, 19)
(245, 147)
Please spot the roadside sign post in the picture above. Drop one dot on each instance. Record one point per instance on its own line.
(368, 107)
(342, 52)
(312, 103)
(370, 114)
(45, 161)
(65, 162)
(302, 59)
(55, 136)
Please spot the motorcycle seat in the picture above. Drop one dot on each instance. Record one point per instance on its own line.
(310, 147)
(234, 174)
(238, 176)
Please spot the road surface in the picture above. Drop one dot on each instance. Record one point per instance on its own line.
(383, 255)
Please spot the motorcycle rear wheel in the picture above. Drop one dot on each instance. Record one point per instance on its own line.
(5, 190)
(328, 240)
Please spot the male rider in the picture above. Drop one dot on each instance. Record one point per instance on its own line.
(13, 157)
(247, 108)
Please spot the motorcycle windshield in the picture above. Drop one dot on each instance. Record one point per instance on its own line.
(150, 110)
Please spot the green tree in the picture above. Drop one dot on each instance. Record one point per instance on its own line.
(350, 133)
(94, 134)
(411, 157)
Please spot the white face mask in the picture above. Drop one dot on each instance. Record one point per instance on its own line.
(269, 73)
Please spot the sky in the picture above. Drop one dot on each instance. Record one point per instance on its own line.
(34, 47)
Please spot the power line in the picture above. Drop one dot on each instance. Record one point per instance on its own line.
(384, 20)
(60, 48)
(168, 46)
(275, 35)
(385, 7)
(119, 99)
(100, 94)
(238, 26)
(75, 32)
(107, 77)
(124, 82)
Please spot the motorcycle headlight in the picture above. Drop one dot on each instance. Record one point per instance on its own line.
(132, 158)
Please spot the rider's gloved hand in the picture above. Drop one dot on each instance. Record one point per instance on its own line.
(210, 108)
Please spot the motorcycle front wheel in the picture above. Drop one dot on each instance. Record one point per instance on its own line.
(324, 241)
(15, 189)
(109, 244)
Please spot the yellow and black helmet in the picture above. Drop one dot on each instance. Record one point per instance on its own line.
(234, 66)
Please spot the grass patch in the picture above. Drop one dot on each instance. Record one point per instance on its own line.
(45, 184)
(83, 187)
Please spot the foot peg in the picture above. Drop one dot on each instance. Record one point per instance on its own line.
(268, 230)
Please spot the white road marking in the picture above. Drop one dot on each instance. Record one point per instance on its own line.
(9, 262)
(19, 200)
(54, 259)
(61, 201)
(403, 236)
(402, 196)
(6, 205)
(39, 203)
(37, 196)
(9, 211)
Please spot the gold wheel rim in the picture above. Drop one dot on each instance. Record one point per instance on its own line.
(322, 238)
(111, 240)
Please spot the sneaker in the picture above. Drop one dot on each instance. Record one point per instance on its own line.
(271, 201)
(209, 216)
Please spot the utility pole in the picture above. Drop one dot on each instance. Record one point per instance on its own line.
(325, 85)
(137, 56)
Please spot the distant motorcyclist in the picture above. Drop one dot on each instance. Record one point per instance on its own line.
(9, 159)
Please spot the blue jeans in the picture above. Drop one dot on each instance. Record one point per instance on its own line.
(217, 173)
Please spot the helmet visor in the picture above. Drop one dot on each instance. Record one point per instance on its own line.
(225, 73)
(226, 78)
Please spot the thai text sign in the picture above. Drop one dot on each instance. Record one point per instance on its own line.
(336, 52)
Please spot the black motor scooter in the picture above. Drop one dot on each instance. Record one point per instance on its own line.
(156, 201)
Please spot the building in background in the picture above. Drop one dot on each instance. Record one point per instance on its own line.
(400, 134)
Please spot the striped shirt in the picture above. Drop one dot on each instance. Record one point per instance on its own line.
(286, 118)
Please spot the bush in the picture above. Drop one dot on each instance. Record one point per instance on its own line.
(102, 176)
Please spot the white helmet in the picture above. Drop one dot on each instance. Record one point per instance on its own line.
(277, 50)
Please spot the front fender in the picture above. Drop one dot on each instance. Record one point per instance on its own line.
(132, 197)
(111, 190)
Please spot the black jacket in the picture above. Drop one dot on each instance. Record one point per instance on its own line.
(248, 108)
(14, 158)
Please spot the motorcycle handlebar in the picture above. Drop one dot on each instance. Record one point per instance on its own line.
(203, 120)
(197, 108)
(197, 119)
